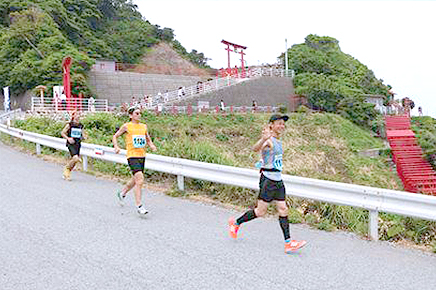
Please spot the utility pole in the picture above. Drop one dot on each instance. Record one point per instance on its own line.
(286, 56)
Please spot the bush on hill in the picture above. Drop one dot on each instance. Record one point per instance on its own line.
(37, 35)
(425, 131)
(333, 81)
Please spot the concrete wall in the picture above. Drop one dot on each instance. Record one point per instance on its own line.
(120, 87)
(265, 91)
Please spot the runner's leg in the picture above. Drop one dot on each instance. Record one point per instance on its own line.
(282, 208)
(139, 181)
(128, 186)
(73, 161)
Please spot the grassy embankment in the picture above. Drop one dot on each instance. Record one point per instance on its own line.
(425, 131)
(322, 146)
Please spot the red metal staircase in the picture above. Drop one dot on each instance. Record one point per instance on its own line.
(414, 170)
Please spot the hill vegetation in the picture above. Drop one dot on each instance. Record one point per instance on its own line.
(425, 131)
(36, 35)
(333, 81)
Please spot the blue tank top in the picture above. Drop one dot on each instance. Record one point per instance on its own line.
(272, 159)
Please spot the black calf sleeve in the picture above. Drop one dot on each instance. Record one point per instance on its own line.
(284, 224)
(248, 216)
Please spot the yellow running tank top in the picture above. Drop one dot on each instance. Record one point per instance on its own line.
(135, 140)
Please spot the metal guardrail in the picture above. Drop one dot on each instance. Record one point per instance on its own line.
(369, 198)
(7, 116)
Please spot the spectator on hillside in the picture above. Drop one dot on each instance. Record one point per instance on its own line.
(222, 106)
(180, 93)
(420, 111)
(91, 104)
(166, 96)
(134, 102)
(254, 107)
(199, 87)
(144, 102)
(63, 98)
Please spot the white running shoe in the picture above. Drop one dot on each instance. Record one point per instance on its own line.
(121, 198)
(142, 211)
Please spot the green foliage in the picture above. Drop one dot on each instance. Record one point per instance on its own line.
(195, 57)
(294, 216)
(33, 49)
(425, 130)
(333, 81)
(357, 110)
(36, 35)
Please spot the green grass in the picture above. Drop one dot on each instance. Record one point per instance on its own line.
(322, 146)
(425, 131)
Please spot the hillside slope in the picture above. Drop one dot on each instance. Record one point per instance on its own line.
(323, 146)
(163, 59)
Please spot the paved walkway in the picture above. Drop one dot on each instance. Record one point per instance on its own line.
(56, 234)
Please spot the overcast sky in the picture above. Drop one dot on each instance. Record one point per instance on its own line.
(395, 39)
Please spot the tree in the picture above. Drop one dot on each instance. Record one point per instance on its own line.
(33, 48)
(332, 80)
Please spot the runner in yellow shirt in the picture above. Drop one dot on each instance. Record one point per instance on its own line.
(136, 137)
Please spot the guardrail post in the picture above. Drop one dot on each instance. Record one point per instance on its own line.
(181, 182)
(85, 163)
(38, 149)
(373, 224)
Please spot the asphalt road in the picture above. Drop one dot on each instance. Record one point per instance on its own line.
(56, 234)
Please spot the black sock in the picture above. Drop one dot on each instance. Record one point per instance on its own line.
(248, 216)
(284, 224)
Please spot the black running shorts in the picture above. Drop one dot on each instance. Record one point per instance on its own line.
(74, 148)
(136, 164)
(271, 190)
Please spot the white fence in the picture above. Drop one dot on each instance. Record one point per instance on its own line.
(369, 198)
(165, 109)
(213, 85)
(192, 91)
(270, 72)
(50, 105)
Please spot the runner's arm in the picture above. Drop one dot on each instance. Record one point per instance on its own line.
(262, 143)
(150, 142)
(64, 134)
(120, 132)
(65, 131)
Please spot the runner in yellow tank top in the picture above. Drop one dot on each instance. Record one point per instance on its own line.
(137, 138)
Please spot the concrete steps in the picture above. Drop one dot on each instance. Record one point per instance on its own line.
(264, 90)
(414, 170)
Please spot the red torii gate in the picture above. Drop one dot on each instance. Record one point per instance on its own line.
(235, 49)
(66, 65)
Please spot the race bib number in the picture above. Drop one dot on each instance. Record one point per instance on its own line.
(278, 162)
(76, 133)
(138, 141)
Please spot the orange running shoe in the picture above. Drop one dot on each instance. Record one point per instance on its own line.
(293, 246)
(233, 228)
